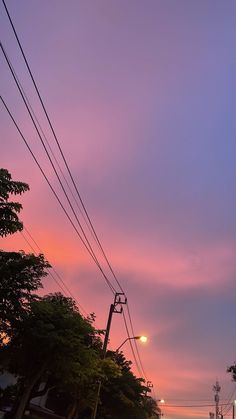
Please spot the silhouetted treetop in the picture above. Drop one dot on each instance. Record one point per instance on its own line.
(9, 220)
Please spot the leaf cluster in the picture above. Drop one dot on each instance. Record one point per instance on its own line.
(9, 220)
(54, 336)
(232, 370)
(125, 395)
(20, 275)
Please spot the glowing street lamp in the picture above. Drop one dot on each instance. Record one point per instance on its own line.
(143, 339)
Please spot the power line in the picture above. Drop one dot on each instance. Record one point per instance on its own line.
(130, 342)
(49, 146)
(135, 343)
(96, 261)
(227, 409)
(141, 370)
(58, 278)
(70, 175)
(58, 144)
(193, 405)
(190, 400)
(85, 240)
(108, 282)
(31, 113)
(90, 250)
(232, 393)
(53, 191)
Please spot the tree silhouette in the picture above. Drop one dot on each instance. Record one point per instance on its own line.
(9, 221)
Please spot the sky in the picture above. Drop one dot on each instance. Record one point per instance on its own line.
(142, 96)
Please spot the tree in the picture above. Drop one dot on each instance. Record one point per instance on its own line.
(48, 339)
(85, 394)
(232, 370)
(53, 339)
(9, 221)
(20, 275)
(151, 408)
(125, 396)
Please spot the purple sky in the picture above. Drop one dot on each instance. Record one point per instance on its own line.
(142, 95)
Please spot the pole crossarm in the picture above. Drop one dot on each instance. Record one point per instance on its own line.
(119, 300)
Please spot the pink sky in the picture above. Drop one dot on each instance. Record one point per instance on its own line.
(142, 97)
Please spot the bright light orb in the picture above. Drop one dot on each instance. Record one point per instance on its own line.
(143, 339)
(162, 401)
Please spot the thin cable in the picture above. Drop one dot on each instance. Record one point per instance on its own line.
(63, 287)
(226, 411)
(88, 243)
(131, 346)
(33, 113)
(27, 104)
(69, 171)
(59, 146)
(135, 343)
(49, 157)
(232, 394)
(196, 405)
(49, 146)
(54, 193)
(190, 400)
(47, 269)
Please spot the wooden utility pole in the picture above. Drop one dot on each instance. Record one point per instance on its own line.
(116, 307)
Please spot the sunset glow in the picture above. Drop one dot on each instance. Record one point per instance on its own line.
(142, 96)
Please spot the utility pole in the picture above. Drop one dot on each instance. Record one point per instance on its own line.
(216, 389)
(116, 307)
(233, 414)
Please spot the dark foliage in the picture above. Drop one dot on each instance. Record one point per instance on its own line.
(125, 395)
(9, 220)
(20, 275)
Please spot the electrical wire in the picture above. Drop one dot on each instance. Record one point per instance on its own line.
(230, 398)
(49, 146)
(189, 400)
(70, 174)
(58, 144)
(85, 240)
(31, 112)
(135, 343)
(53, 191)
(90, 250)
(131, 345)
(227, 409)
(58, 279)
(26, 102)
(192, 406)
